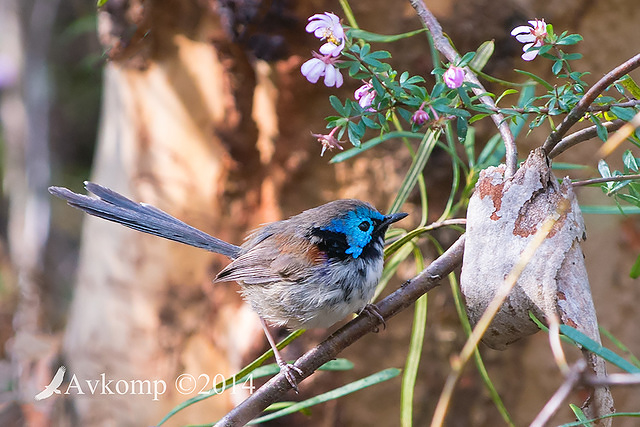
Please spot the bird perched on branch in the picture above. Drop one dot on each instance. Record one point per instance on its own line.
(308, 271)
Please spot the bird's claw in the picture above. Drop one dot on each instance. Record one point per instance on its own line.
(372, 310)
(288, 370)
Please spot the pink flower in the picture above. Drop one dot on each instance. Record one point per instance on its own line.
(453, 77)
(327, 27)
(420, 117)
(322, 65)
(532, 36)
(328, 141)
(365, 95)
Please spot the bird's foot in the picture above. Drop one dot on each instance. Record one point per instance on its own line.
(372, 310)
(288, 371)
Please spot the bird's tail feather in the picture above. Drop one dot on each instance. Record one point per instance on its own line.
(115, 207)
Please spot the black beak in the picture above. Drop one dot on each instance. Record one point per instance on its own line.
(390, 219)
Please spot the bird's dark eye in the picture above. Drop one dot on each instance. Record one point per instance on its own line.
(364, 225)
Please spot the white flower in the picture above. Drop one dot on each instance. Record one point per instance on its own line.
(327, 27)
(365, 95)
(532, 36)
(322, 65)
(453, 77)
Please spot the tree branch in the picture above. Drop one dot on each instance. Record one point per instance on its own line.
(583, 105)
(583, 135)
(399, 300)
(444, 46)
(572, 379)
(605, 179)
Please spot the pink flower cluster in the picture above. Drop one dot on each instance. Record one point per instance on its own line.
(326, 27)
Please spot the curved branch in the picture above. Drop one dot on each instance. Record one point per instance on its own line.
(583, 135)
(583, 105)
(399, 300)
(444, 46)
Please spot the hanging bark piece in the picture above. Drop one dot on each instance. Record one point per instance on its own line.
(502, 217)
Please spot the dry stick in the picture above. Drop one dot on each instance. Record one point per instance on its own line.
(612, 379)
(492, 309)
(583, 135)
(572, 379)
(583, 105)
(605, 179)
(399, 300)
(444, 46)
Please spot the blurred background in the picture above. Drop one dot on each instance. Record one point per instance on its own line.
(199, 108)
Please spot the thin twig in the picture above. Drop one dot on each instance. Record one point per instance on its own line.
(583, 135)
(444, 46)
(612, 379)
(327, 350)
(583, 105)
(591, 109)
(571, 380)
(605, 179)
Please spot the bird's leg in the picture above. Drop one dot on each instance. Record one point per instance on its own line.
(285, 368)
(372, 310)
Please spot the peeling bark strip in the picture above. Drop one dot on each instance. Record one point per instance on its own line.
(502, 217)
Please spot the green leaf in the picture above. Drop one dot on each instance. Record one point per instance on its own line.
(635, 269)
(629, 84)
(572, 56)
(461, 128)
(536, 78)
(379, 54)
(556, 67)
(620, 345)
(337, 105)
(419, 162)
(376, 378)
(415, 351)
(630, 199)
(563, 166)
(602, 132)
(598, 349)
(380, 38)
(347, 154)
(483, 54)
(630, 161)
(604, 170)
(505, 93)
(587, 422)
(466, 58)
(101, 3)
(570, 39)
(623, 113)
(609, 210)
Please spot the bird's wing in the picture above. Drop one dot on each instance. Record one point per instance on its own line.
(279, 257)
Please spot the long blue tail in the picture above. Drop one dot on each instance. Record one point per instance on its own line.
(142, 217)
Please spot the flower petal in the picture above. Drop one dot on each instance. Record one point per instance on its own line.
(313, 69)
(339, 80)
(330, 76)
(330, 49)
(521, 29)
(530, 55)
(525, 38)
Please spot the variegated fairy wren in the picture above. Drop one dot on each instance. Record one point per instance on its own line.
(308, 271)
